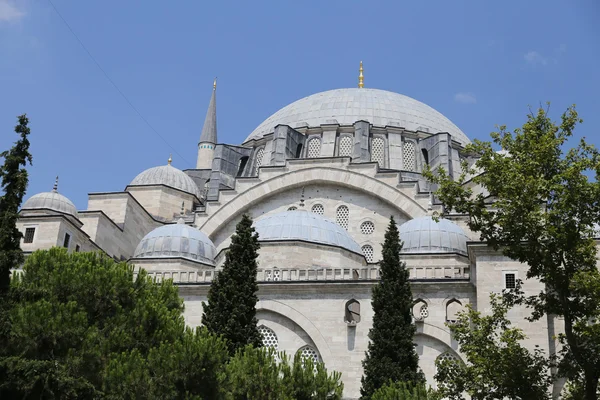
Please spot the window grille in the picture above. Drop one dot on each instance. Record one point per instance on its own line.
(307, 352)
(341, 216)
(314, 148)
(318, 209)
(447, 356)
(273, 275)
(410, 160)
(258, 158)
(378, 150)
(29, 233)
(424, 311)
(367, 250)
(345, 146)
(510, 280)
(367, 228)
(269, 338)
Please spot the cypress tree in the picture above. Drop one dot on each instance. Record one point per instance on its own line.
(391, 355)
(14, 181)
(231, 308)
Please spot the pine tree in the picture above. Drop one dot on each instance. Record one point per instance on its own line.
(391, 355)
(231, 308)
(14, 183)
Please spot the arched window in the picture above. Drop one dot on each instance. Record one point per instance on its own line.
(269, 338)
(453, 307)
(378, 151)
(314, 148)
(309, 352)
(420, 310)
(242, 165)
(345, 146)
(342, 215)
(367, 228)
(410, 159)
(352, 312)
(367, 250)
(318, 209)
(258, 159)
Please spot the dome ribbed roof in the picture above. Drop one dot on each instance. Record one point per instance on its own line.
(169, 176)
(424, 235)
(51, 200)
(305, 226)
(347, 106)
(177, 240)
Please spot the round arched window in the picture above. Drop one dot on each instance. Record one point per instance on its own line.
(367, 228)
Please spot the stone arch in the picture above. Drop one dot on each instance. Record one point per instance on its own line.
(453, 307)
(352, 312)
(316, 175)
(303, 322)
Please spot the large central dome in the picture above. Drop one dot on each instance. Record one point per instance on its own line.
(347, 106)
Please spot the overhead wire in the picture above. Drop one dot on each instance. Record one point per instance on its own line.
(112, 82)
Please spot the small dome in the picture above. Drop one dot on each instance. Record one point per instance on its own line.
(51, 200)
(305, 226)
(424, 235)
(169, 176)
(177, 240)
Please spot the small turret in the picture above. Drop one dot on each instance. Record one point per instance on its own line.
(208, 138)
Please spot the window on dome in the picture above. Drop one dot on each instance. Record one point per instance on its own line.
(345, 146)
(269, 338)
(378, 151)
(314, 148)
(410, 159)
(318, 209)
(367, 228)
(292, 208)
(352, 312)
(341, 216)
(367, 250)
(29, 234)
(258, 159)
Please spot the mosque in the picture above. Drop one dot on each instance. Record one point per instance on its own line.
(321, 178)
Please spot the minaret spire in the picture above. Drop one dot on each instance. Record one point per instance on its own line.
(361, 82)
(55, 187)
(208, 137)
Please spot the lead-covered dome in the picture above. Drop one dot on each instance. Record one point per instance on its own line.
(51, 201)
(169, 176)
(177, 240)
(424, 235)
(347, 106)
(304, 226)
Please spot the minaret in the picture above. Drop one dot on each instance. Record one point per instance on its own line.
(208, 138)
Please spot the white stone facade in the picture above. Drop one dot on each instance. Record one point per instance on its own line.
(358, 175)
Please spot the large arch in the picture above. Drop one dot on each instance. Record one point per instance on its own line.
(314, 175)
(303, 322)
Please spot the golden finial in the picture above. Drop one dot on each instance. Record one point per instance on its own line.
(170, 159)
(215, 84)
(361, 82)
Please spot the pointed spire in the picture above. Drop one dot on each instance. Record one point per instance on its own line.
(361, 81)
(55, 188)
(170, 160)
(209, 131)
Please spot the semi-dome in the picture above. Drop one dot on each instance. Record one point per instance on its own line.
(177, 240)
(169, 176)
(424, 235)
(52, 201)
(347, 106)
(304, 226)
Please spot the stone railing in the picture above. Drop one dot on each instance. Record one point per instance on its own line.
(437, 272)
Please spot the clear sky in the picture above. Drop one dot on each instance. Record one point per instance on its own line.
(480, 63)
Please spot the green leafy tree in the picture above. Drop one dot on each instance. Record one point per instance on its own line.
(391, 354)
(401, 391)
(14, 178)
(497, 365)
(257, 374)
(545, 207)
(231, 308)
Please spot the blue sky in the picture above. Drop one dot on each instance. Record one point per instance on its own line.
(480, 63)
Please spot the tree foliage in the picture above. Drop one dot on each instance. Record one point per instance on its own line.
(497, 365)
(231, 308)
(544, 212)
(391, 355)
(401, 391)
(14, 179)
